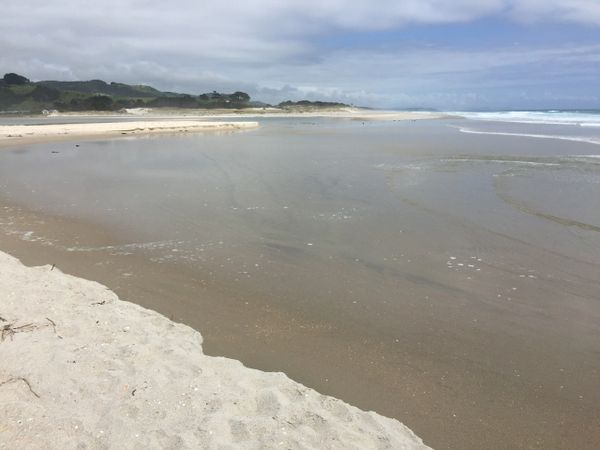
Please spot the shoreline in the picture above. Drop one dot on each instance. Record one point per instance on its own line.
(440, 371)
(81, 365)
(189, 114)
(177, 121)
(29, 134)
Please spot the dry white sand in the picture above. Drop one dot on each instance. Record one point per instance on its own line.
(15, 134)
(181, 121)
(80, 368)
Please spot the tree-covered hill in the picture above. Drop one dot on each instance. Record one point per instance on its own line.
(101, 87)
(19, 94)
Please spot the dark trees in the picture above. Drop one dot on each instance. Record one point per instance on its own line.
(13, 78)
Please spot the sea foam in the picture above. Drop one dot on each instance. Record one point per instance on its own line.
(584, 139)
(553, 117)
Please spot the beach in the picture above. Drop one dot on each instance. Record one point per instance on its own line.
(416, 269)
(26, 134)
(137, 379)
(147, 121)
(300, 225)
(81, 368)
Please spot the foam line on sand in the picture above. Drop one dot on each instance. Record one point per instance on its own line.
(82, 369)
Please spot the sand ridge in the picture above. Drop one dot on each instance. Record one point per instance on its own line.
(83, 369)
(17, 134)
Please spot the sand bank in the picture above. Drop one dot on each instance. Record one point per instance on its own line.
(18, 134)
(81, 368)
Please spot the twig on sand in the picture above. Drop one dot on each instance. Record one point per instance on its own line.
(9, 330)
(52, 268)
(99, 303)
(24, 380)
(53, 326)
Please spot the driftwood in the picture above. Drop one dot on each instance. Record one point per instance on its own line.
(9, 330)
(24, 380)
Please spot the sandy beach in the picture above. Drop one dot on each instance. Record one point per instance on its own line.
(407, 268)
(294, 225)
(173, 121)
(27, 134)
(81, 368)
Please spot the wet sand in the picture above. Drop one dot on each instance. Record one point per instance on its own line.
(399, 279)
(82, 368)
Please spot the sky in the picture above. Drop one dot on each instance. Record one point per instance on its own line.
(443, 54)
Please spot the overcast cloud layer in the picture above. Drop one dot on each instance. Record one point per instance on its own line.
(449, 54)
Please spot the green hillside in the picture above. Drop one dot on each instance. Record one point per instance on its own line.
(101, 87)
(19, 94)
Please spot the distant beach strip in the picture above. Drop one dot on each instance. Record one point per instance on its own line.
(176, 122)
(15, 134)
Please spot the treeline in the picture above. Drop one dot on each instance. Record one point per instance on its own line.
(17, 93)
(109, 103)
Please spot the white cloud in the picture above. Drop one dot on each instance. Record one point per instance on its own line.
(575, 11)
(265, 45)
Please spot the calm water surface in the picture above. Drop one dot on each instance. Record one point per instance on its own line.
(444, 278)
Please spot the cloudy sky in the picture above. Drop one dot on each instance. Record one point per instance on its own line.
(447, 54)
